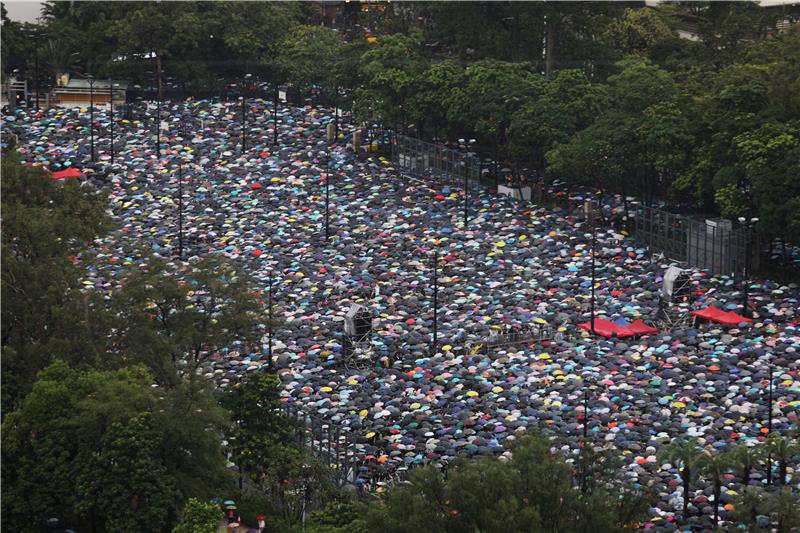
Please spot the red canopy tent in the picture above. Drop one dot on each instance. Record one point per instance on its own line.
(606, 328)
(66, 173)
(715, 314)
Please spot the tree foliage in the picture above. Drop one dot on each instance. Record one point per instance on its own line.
(534, 491)
(199, 517)
(101, 449)
(46, 224)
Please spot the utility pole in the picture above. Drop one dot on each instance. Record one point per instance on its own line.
(435, 301)
(180, 208)
(36, 68)
(244, 112)
(158, 121)
(111, 116)
(594, 244)
(269, 322)
(466, 197)
(585, 466)
(275, 115)
(769, 426)
(91, 115)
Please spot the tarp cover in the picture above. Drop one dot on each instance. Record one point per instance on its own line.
(67, 173)
(606, 328)
(715, 314)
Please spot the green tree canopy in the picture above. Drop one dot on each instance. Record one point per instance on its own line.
(46, 224)
(100, 449)
(199, 517)
(534, 491)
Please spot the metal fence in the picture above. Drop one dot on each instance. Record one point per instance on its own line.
(422, 159)
(706, 244)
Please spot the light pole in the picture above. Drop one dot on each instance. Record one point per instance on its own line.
(158, 121)
(244, 111)
(748, 224)
(91, 114)
(594, 245)
(327, 196)
(584, 467)
(269, 321)
(769, 426)
(111, 86)
(36, 68)
(275, 115)
(435, 301)
(180, 207)
(466, 197)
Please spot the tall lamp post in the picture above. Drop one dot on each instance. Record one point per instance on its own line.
(584, 467)
(111, 86)
(748, 224)
(244, 111)
(594, 245)
(36, 68)
(269, 321)
(91, 114)
(158, 122)
(328, 196)
(769, 425)
(275, 115)
(435, 339)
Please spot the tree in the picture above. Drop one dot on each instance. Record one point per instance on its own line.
(46, 224)
(768, 159)
(784, 504)
(714, 467)
(687, 454)
(781, 449)
(310, 54)
(104, 450)
(173, 317)
(750, 503)
(493, 93)
(534, 491)
(435, 92)
(636, 31)
(259, 429)
(337, 516)
(314, 56)
(744, 458)
(568, 103)
(389, 70)
(199, 517)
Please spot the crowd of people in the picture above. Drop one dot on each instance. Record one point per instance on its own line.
(513, 265)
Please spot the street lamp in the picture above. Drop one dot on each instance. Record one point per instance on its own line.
(244, 111)
(180, 207)
(584, 467)
(91, 113)
(769, 425)
(435, 339)
(36, 68)
(748, 224)
(111, 86)
(269, 321)
(466, 197)
(594, 245)
(275, 115)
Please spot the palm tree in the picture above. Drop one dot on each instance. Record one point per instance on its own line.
(781, 449)
(744, 458)
(784, 504)
(751, 503)
(684, 453)
(714, 466)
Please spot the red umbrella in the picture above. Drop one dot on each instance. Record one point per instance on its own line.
(67, 173)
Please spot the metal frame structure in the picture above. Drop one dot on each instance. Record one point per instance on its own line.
(421, 158)
(695, 243)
